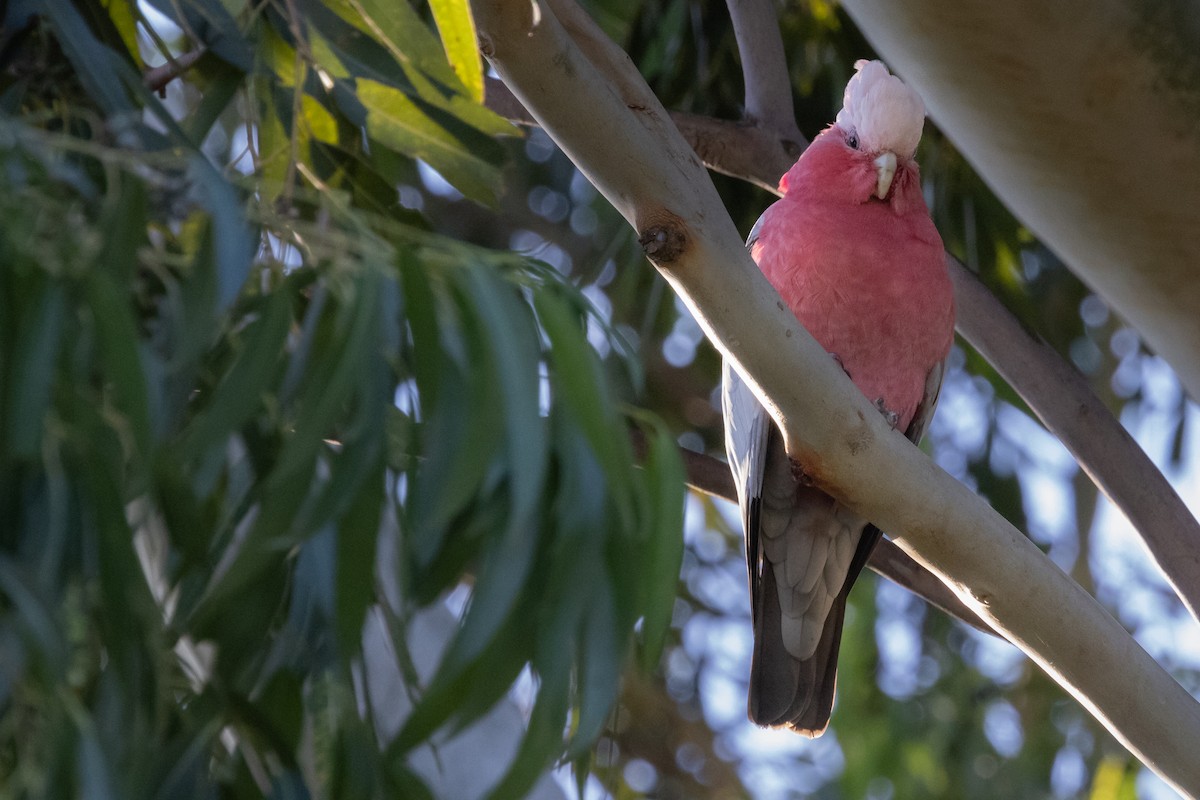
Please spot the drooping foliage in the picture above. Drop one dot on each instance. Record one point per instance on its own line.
(228, 393)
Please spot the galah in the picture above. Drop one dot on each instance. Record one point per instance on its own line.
(852, 250)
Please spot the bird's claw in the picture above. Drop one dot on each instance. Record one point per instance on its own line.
(838, 359)
(798, 474)
(893, 419)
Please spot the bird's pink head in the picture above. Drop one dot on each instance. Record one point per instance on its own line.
(874, 138)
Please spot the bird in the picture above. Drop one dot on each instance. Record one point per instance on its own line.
(853, 252)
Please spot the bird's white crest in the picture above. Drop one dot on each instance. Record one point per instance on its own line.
(882, 111)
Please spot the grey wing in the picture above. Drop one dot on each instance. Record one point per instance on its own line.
(753, 237)
(747, 428)
(803, 551)
(915, 432)
(924, 413)
(747, 431)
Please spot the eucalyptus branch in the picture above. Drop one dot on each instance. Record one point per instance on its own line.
(645, 168)
(1049, 385)
(1070, 410)
(739, 149)
(711, 476)
(764, 66)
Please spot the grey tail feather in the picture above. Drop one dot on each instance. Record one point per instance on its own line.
(785, 691)
(789, 692)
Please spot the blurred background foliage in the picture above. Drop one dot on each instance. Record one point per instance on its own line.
(315, 377)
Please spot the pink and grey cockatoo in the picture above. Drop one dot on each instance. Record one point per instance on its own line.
(853, 252)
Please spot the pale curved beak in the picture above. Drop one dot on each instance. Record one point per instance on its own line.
(885, 170)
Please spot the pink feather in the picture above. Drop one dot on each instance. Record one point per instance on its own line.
(867, 278)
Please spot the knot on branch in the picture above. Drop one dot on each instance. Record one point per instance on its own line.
(663, 241)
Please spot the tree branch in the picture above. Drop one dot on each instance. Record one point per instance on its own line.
(742, 150)
(764, 66)
(1070, 410)
(711, 476)
(639, 161)
(1051, 387)
(157, 78)
(751, 152)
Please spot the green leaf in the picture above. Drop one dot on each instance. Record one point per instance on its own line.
(238, 395)
(33, 370)
(102, 72)
(280, 708)
(513, 339)
(117, 336)
(35, 615)
(224, 82)
(462, 432)
(579, 383)
(233, 245)
(1114, 779)
(395, 25)
(93, 771)
(462, 108)
(543, 738)
(405, 782)
(396, 121)
(463, 696)
(601, 652)
(457, 29)
(356, 540)
(123, 14)
(664, 478)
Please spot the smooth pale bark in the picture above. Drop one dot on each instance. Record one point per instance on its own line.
(1084, 118)
(768, 87)
(624, 141)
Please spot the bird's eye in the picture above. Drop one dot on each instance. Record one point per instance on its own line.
(852, 140)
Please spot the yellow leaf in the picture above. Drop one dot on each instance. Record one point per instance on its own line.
(121, 13)
(321, 123)
(457, 29)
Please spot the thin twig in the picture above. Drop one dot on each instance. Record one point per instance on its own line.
(157, 78)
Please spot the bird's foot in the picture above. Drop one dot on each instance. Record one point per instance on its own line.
(892, 417)
(798, 474)
(838, 359)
